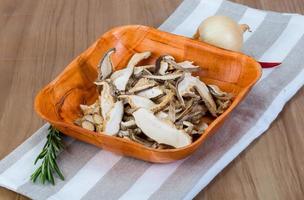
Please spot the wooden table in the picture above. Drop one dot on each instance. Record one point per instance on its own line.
(38, 38)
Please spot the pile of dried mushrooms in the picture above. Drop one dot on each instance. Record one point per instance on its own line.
(160, 106)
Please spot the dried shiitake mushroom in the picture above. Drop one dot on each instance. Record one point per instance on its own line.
(160, 106)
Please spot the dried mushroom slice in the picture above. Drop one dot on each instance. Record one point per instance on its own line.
(113, 119)
(170, 85)
(120, 78)
(87, 125)
(201, 127)
(151, 92)
(161, 64)
(160, 131)
(172, 112)
(185, 66)
(123, 133)
(142, 73)
(105, 66)
(163, 68)
(189, 127)
(218, 93)
(143, 84)
(166, 100)
(139, 69)
(188, 65)
(138, 102)
(88, 118)
(128, 124)
(187, 110)
(188, 83)
(166, 77)
(222, 105)
(133, 136)
(99, 128)
(106, 98)
(97, 119)
(192, 114)
(91, 109)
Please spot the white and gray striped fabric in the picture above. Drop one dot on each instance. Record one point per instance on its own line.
(92, 173)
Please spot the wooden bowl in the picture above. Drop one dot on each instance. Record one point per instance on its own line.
(58, 103)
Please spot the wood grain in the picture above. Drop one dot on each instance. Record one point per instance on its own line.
(38, 38)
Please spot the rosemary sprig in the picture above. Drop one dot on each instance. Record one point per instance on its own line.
(48, 156)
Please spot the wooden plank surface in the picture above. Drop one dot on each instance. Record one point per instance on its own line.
(38, 38)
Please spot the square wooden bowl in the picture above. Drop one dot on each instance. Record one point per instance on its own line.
(58, 103)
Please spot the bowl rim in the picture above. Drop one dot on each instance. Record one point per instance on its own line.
(238, 98)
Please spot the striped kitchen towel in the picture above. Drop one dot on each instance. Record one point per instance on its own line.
(92, 173)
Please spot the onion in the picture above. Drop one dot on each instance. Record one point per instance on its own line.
(222, 31)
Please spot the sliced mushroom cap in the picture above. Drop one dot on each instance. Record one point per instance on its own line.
(97, 119)
(137, 57)
(168, 57)
(161, 66)
(139, 140)
(142, 73)
(151, 92)
(113, 119)
(99, 128)
(187, 65)
(88, 118)
(160, 131)
(85, 108)
(121, 77)
(206, 97)
(185, 86)
(123, 133)
(165, 77)
(222, 105)
(88, 125)
(218, 93)
(169, 97)
(188, 124)
(187, 110)
(189, 127)
(172, 112)
(138, 101)
(143, 84)
(91, 109)
(138, 69)
(188, 83)
(128, 124)
(106, 98)
(201, 127)
(105, 66)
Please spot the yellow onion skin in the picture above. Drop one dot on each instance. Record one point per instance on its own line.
(223, 32)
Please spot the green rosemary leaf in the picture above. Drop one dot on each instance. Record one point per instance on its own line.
(50, 175)
(58, 171)
(43, 172)
(53, 146)
(41, 155)
(35, 175)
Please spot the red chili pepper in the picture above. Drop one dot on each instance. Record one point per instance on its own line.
(269, 64)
